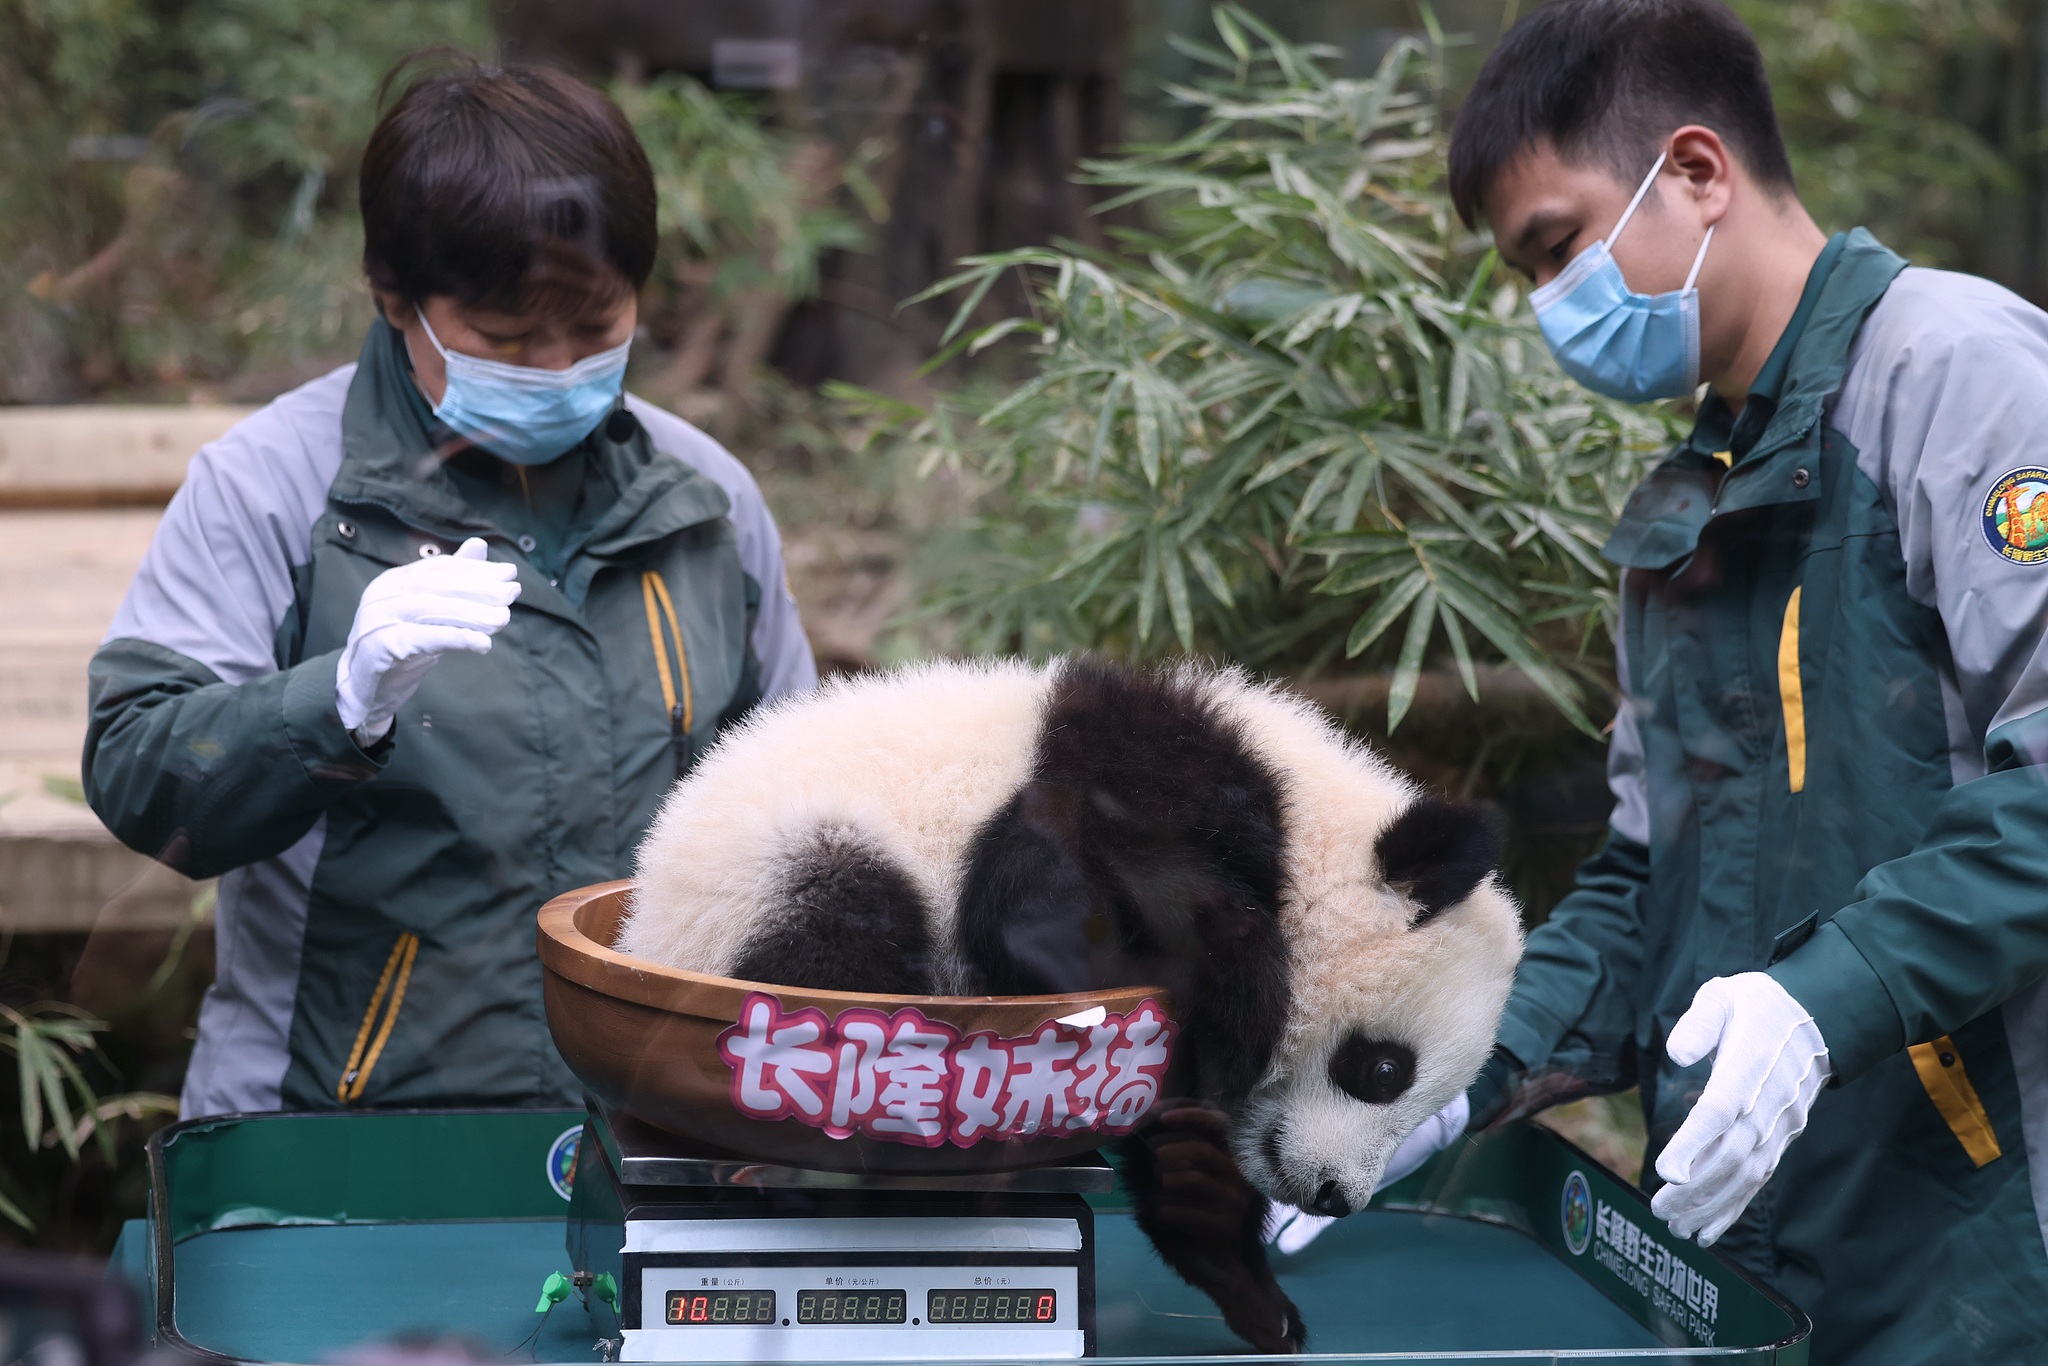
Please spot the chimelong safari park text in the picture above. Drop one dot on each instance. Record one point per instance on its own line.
(1656, 1273)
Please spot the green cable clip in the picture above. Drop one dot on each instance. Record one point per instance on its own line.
(606, 1289)
(553, 1291)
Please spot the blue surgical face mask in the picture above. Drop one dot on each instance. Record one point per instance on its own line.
(1634, 347)
(522, 414)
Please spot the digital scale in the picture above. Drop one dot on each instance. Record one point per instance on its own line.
(717, 1258)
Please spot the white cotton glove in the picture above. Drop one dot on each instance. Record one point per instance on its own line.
(1769, 1063)
(407, 617)
(1289, 1229)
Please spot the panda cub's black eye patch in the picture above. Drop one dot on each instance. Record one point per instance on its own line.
(1375, 1071)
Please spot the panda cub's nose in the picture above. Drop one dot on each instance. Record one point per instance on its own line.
(1331, 1202)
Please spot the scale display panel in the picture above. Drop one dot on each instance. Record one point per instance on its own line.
(998, 1306)
(853, 1307)
(705, 1308)
(925, 1311)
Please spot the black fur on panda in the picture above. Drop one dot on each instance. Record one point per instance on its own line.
(1334, 943)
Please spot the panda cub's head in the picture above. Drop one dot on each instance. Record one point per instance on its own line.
(1401, 948)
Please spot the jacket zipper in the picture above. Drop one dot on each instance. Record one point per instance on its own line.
(675, 684)
(397, 973)
(1792, 696)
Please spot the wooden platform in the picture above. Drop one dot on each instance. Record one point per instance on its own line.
(62, 573)
(80, 495)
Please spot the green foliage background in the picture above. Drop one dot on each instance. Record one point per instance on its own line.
(177, 190)
(230, 241)
(1300, 419)
(1914, 118)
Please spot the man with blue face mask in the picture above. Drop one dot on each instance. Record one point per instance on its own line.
(426, 641)
(1817, 935)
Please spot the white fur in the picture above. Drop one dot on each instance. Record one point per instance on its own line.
(917, 759)
(1356, 965)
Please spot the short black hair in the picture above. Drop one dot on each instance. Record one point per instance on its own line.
(1606, 81)
(511, 187)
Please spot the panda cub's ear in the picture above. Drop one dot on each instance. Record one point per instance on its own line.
(1435, 852)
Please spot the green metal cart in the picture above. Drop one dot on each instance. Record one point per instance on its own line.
(298, 1238)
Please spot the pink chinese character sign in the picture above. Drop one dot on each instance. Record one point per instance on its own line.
(925, 1084)
(907, 1078)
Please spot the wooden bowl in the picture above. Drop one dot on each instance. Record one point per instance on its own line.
(646, 1040)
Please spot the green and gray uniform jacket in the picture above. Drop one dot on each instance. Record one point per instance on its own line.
(375, 927)
(1829, 763)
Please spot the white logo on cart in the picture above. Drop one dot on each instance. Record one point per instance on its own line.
(907, 1078)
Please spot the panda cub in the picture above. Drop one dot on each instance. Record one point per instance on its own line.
(1335, 945)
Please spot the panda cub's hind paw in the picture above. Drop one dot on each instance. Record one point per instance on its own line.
(1294, 1337)
(1258, 1310)
(1205, 1220)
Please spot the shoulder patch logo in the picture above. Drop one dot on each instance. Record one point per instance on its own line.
(2016, 515)
(1575, 1214)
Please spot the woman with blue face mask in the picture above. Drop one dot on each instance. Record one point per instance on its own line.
(425, 642)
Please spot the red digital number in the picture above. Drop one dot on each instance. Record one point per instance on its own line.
(700, 1308)
(1045, 1308)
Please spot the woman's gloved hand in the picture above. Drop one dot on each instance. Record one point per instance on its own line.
(1769, 1063)
(407, 618)
(1289, 1230)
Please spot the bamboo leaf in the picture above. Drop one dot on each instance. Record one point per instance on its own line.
(995, 332)
(1229, 27)
(1360, 575)
(1148, 592)
(1355, 543)
(1217, 486)
(1460, 651)
(58, 1070)
(1145, 407)
(1385, 613)
(1312, 497)
(1408, 668)
(30, 1065)
(1290, 460)
(1357, 484)
(1461, 388)
(1177, 598)
(1206, 569)
(1104, 423)
(14, 1214)
(1372, 102)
